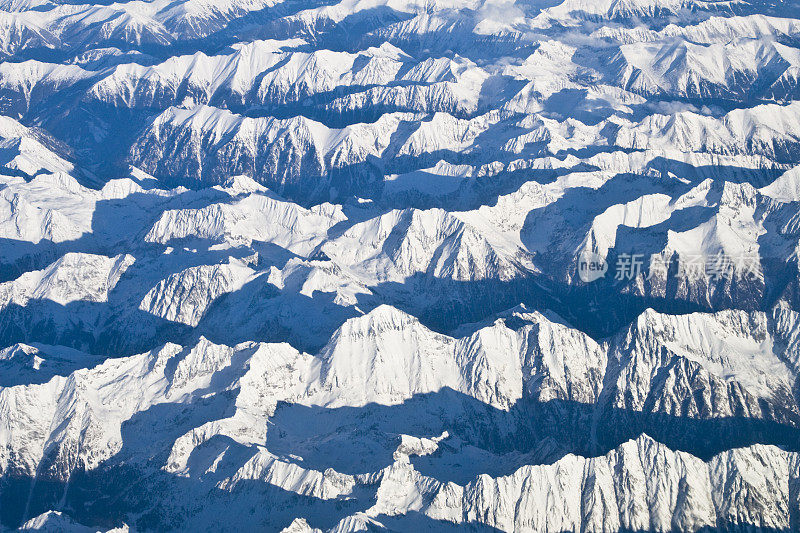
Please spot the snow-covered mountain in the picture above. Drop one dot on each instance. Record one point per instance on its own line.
(284, 265)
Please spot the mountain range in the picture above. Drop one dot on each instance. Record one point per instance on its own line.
(306, 266)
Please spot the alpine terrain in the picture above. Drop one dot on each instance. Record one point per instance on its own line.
(400, 265)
